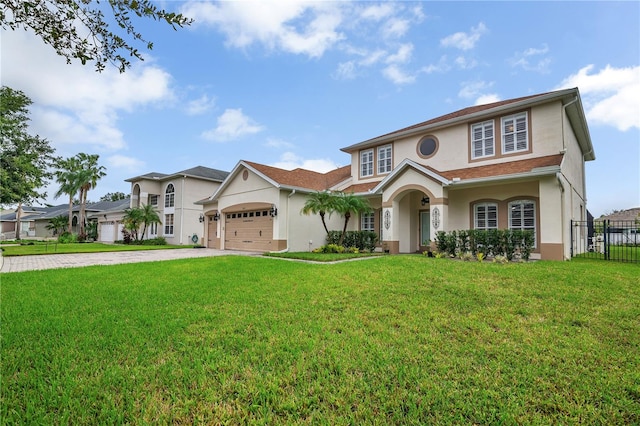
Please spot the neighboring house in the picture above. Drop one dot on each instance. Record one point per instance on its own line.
(42, 221)
(622, 227)
(173, 196)
(517, 164)
(109, 216)
(28, 221)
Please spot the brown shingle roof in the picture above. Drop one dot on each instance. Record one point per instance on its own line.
(501, 169)
(361, 187)
(443, 118)
(303, 178)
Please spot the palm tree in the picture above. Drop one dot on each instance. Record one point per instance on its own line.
(346, 205)
(89, 174)
(132, 220)
(57, 224)
(321, 203)
(67, 178)
(149, 216)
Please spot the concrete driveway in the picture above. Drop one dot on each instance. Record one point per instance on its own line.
(75, 260)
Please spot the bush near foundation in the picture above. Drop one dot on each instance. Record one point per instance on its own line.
(512, 244)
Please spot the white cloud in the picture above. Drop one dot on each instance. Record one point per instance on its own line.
(201, 105)
(295, 27)
(231, 125)
(397, 75)
(395, 28)
(487, 99)
(402, 56)
(610, 96)
(530, 59)
(128, 164)
(72, 104)
(464, 63)
(465, 41)
(441, 66)
(474, 89)
(377, 12)
(346, 71)
(290, 161)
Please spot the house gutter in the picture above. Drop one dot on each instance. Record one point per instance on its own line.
(288, 220)
(542, 171)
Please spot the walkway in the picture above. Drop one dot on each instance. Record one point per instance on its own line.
(75, 260)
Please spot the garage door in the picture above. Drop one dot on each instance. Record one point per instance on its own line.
(107, 232)
(249, 230)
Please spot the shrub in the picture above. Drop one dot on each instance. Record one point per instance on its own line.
(480, 256)
(67, 237)
(126, 236)
(500, 259)
(159, 241)
(441, 241)
(467, 256)
(330, 248)
(362, 240)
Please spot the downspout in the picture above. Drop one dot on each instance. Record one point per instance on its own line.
(182, 209)
(287, 224)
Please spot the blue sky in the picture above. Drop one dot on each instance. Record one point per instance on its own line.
(290, 83)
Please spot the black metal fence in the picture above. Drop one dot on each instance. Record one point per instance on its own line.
(617, 240)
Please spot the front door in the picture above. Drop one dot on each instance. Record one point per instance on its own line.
(425, 232)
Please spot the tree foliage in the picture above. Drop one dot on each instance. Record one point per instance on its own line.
(140, 216)
(78, 29)
(113, 196)
(25, 159)
(348, 204)
(321, 203)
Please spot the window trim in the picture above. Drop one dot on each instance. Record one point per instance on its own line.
(485, 145)
(362, 162)
(504, 134)
(485, 204)
(172, 202)
(165, 225)
(534, 228)
(388, 161)
(366, 219)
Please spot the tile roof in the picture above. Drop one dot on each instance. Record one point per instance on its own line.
(302, 178)
(501, 169)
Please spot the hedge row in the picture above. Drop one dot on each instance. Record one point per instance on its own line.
(362, 240)
(494, 242)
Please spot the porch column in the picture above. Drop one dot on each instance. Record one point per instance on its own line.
(439, 216)
(390, 227)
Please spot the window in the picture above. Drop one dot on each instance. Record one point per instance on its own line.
(168, 224)
(522, 215)
(515, 136)
(384, 159)
(366, 163)
(169, 196)
(485, 216)
(153, 200)
(427, 146)
(482, 142)
(367, 222)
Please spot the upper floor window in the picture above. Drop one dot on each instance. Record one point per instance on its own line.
(485, 216)
(366, 163)
(522, 215)
(367, 222)
(153, 200)
(168, 224)
(515, 135)
(169, 196)
(384, 159)
(482, 140)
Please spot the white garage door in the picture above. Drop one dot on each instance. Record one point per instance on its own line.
(107, 232)
(249, 230)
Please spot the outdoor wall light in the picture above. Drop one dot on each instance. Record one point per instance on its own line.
(274, 211)
(201, 218)
(424, 201)
(216, 216)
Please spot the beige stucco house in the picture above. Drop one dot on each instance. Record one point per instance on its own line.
(174, 196)
(518, 163)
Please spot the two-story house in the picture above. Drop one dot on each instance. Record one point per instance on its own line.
(174, 197)
(515, 164)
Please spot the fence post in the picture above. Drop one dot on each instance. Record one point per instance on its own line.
(605, 232)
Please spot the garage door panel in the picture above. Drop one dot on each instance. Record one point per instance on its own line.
(249, 231)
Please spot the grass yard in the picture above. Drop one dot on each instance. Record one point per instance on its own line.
(54, 247)
(390, 340)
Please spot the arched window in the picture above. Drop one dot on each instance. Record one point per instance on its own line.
(169, 196)
(522, 216)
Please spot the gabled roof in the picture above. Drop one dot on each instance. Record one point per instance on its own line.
(199, 172)
(502, 169)
(569, 97)
(296, 179)
(629, 214)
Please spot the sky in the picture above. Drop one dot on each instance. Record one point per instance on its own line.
(289, 83)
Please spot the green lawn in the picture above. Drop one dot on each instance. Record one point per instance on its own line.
(390, 340)
(57, 248)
